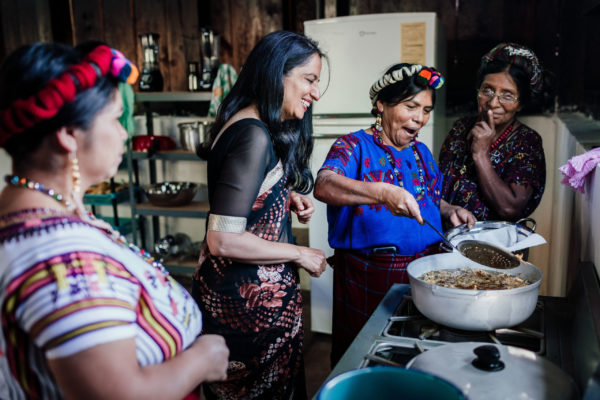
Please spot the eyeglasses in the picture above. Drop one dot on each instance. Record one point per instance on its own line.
(503, 98)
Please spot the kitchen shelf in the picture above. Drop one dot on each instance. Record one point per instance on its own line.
(139, 207)
(171, 155)
(106, 199)
(186, 267)
(169, 97)
(196, 209)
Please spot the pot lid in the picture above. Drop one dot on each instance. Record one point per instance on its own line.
(493, 371)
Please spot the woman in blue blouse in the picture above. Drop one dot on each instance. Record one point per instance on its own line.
(379, 184)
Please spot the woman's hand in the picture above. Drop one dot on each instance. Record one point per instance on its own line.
(400, 202)
(302, 206)
(456, 214)
(312, 260)
(482, 134)
(213, 348)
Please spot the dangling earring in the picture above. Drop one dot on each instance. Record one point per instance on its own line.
(75, 176)
(377, 127)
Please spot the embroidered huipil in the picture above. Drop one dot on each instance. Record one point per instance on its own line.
(519, 158)
(357, 156)
(66, 286)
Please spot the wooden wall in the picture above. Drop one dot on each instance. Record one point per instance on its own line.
(178, 22)
(563, 34)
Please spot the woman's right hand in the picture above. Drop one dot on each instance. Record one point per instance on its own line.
(213, 349)
(401, 202)
(312, 260)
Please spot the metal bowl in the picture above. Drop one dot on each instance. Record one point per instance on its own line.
(171, 194)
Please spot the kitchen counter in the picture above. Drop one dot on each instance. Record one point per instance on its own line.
(586, 131)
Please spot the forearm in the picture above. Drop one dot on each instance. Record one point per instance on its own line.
(338, 190)
(250, 249)
(499, 194)
(445, 209)
(175, 378)
(111, 371)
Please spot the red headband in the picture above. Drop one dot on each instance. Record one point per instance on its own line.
(23, 114)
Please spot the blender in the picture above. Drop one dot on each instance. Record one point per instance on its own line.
(209, 42)
(151, 80)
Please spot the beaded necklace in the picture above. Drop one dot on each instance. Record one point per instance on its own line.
(419, 189)
(16, 181)
(90, 218)
(503, 136)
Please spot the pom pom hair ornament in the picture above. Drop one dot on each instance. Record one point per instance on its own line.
(426, 77)
(429, 77)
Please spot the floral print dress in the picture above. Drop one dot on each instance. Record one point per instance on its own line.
(257, 308)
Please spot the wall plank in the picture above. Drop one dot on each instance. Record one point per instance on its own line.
(242, 24)
(150, 17)
(87, 21)
(119, 27)
(182, 40)
(24, 22)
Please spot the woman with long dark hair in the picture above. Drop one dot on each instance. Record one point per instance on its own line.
(247, 280)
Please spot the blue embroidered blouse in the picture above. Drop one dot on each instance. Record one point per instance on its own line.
(357, 156)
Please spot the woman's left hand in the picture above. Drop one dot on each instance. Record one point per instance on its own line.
(456, 214)
(302, 206)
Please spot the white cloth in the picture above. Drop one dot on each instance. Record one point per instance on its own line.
(507, 238)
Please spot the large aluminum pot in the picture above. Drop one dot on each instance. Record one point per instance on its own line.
(475, 310)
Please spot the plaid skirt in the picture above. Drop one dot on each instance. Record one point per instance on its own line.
(360, 281)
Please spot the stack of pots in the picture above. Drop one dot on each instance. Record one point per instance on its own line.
(191, 134)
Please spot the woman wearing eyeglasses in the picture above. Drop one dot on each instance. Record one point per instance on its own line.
(493, 165)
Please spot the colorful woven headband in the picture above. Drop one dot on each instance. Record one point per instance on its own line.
(520, 56)
(23, 114)
(426, 77)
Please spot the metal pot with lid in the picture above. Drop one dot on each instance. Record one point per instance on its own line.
(496, 372)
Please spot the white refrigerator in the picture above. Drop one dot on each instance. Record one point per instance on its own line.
(359, 49)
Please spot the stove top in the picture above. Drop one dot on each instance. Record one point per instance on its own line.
(397, 332)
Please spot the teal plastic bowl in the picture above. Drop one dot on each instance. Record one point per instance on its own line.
(383, 383)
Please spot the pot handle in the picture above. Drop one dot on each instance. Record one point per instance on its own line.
(441, 291)
(524, 221)
(445, 248)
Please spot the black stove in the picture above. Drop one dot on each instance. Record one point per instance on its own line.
(564, 330)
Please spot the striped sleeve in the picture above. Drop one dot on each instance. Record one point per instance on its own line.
(93, 301)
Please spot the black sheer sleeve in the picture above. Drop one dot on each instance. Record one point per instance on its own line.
(240, 160)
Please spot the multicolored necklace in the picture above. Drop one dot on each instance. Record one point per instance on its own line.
(16, 181)
(115, 235)
(419, 189)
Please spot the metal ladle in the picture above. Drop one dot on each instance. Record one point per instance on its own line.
(449, 243)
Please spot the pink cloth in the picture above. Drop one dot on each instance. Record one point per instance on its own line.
(576, 169)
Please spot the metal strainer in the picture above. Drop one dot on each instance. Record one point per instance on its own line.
(488, 255)
(482, 252)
